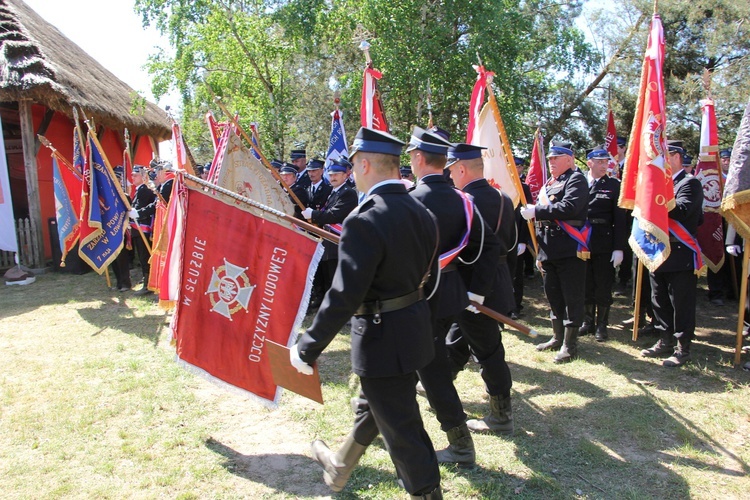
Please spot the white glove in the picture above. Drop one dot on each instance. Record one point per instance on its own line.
(616, 259)
(133, 214)
(479, 299)
(307, 213)
(297, 362)
(521, 249)
(528, 212)
(734, 250)
(540, 266)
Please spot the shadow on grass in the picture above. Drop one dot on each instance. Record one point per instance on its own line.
(288, 473)
(119, 316)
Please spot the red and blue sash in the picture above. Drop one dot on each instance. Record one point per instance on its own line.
(143, 227)
(683, 236)
(468, 203)
(581, 237)
(335, 228)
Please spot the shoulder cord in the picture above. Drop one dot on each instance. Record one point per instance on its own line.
(481, 245)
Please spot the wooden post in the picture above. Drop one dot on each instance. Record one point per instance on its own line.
(637, 308)
(28, 139)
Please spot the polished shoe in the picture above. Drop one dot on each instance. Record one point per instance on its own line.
(569, 350)
(142, 291)
(500, 419)
(602, 322)
(679, 358)
(338, 466)
(746, 366)
(717, 302)
(460, 448)
(558, 332)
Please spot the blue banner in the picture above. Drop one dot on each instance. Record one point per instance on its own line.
(103, 231)
(65, 213)
(337, 143)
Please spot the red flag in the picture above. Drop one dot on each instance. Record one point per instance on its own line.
(245, 280)
(536, 177)
(610, 144)
(169, 284)
(710, 233)
(372, 112)
(647, 186)
(179, 147)
(477, 100)
(214, 130)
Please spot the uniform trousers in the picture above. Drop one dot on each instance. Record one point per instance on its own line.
(516, 265)
(646, 305)
(564, 285)
(600, 275)
(437, 380)
(143, 256)
(673, 297)
(388, 405)
(478, 335)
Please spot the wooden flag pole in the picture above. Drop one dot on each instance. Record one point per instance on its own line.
(637, 308)
(741, 312)
(509, 157)
(263, 159)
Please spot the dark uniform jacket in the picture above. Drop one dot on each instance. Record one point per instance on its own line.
(142, 202)
(303, 197)
(497, 210)
(609, 229)
(340, 203)
(442, 200)
(318, 196)
(569, 201)
(378, 260)
(688, 211)
(165, 190)
(524, 236)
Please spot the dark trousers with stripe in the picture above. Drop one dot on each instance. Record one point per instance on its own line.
(564, 285)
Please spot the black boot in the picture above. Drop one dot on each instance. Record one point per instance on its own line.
(588, 320)
(602, 322)
(436, 494)
(338, 466)
(569, 350)
(460, 448)
(665, 345)
(558, 332)
(680, 356)
(144, 289)
(500, 419)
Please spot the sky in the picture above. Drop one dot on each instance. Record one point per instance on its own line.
(112, 33)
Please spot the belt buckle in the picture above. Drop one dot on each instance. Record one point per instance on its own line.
(376, 320)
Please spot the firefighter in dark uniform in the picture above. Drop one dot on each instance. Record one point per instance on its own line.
(479, 333)
(560, 214)
(288, 174)
(341, 201)
(142, 212)
(379, 279)
(674, 282)
(298, 158)
(320, 188)
(478, 247)
(608, 239)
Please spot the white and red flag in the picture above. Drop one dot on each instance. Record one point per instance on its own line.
(610, 144)
(536, 177)
(372, 112)
(647, 186)
(8, 239)
(711, 233)
(245, 280)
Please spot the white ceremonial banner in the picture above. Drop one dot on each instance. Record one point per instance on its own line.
(7, 221)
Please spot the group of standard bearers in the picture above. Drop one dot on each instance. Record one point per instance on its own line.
(410, 294)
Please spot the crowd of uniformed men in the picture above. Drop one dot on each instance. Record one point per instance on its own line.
(423, 243)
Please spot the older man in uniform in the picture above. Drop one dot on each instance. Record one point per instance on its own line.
(608, 239)
(478, 247)
(561, 217)
(674, 282)
(382, 269)
(320, 188)
(340, 203)
(288, 174)
(479, 332)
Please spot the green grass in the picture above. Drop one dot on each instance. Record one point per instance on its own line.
(92, 405)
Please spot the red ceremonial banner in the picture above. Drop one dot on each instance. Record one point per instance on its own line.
(245, 280)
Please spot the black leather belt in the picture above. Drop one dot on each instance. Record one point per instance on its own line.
(553, 224)
(599, 221)
(378, 307)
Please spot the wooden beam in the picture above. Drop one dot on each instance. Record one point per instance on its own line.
(43, 129)
(28, 140)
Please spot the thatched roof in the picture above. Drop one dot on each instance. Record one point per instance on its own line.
(38, 62)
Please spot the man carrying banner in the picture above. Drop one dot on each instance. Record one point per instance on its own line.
(674, 282)
(480, 333)
(462, 232)
(380, 277)
(563, 249)
(608, 239)
(141, 215)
